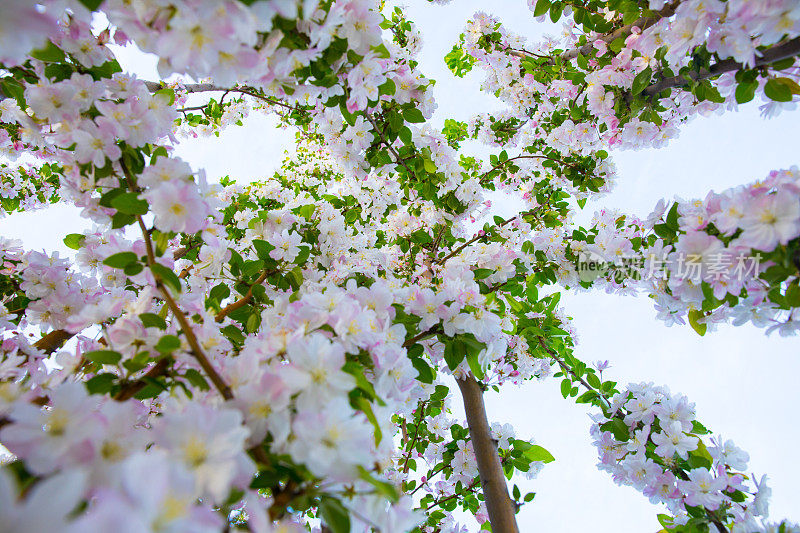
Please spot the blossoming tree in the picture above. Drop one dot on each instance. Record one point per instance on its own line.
(282, 355)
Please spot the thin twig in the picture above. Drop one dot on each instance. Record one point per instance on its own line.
(427, 333)
(244, 300)
(130, 389)
(223, 388)
(414, 440)
(210, 87)
(568, 370)
(397, 157)
(485, 235)
(542, 156)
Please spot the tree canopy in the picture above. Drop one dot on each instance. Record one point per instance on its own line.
(282, 354)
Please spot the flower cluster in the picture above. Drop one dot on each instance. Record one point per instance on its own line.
(649, 439)
(727, 257)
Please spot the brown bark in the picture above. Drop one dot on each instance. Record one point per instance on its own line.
(770, 55)
(53, 340)
(244, 300)
(641, 23)
(129, 390)
(499, 505)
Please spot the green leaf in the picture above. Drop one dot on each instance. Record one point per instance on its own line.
(482, 273)
(106, 70)
(334, 515)
(537, 453)
(641, 81)
(357, 371)
(413, 115)
(794, 88)
(263, 248)
(130, 204)
(618, 428)
(699, 429)
(167, 276)
(474, 365)
(138, 362)
(616, 45)
(566, 386)
(168, 344)
(91, 5)
(366, 407)
(120, 220)
(793, 295)
(542, 7)
(74, 240)
(103, 357)
(219, 292)
(168, 94)
(120, 260)
(694, 316)
(108, 197)
(159, 151)
(663, 231)
(746, 91)
(700, 458)
(665, 520)
(196, 378)
(152, 320)
(101, 383)
(672, 217)
(777, 90)
(452, 357)
(555, 11)
(383, 487)
(426, 373)
(586, 397)
(50, 53)
(13, 89)
(388, 88)
(133, 268)
(421, 237)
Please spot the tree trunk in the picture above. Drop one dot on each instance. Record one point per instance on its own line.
(493, 481)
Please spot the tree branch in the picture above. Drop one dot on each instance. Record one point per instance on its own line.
(499, 505)
(641, 23)
(223, 388)
(415, 339)
(524, 156)
(568, 370)
(447, 498)
(478, 237)
(244, 300)
(416, 435)
(129, 390)
(397, 157)
(153, 86)
(53, 340)
(770, 55)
